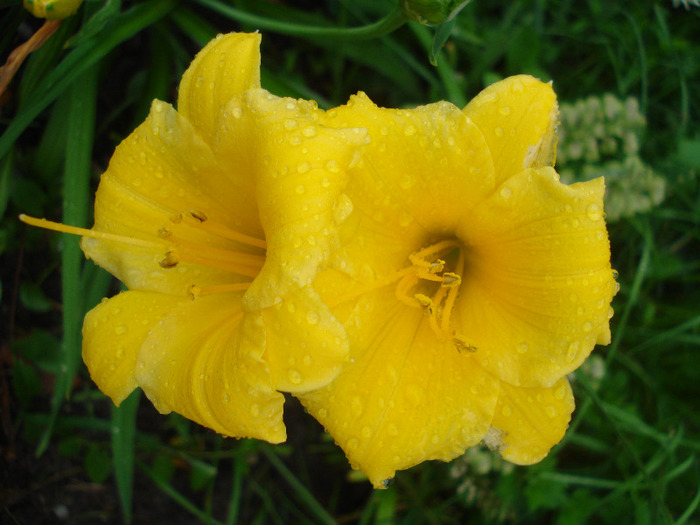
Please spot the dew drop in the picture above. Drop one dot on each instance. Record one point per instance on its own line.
(120, 329)
(356, 406)
(507, 411)
(498, 132)
(366, 432)
(290, 123)
(322, 413)
(587, 327)
(300, 189)
(522, 348)
(237, 112)
(255, 410)
(294, 376)
(551, 411)
(309, 131)
(505, 193)
(572, 351)
(594, 212)
(392, 430)
(504, 110)
(353, 443)
(303, 167)
(312, 318)
(560, 392)
(409, 131)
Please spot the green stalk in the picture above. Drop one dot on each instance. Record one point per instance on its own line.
(389, 23)
(76, 184)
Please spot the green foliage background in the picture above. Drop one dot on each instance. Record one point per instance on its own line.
(630, 455)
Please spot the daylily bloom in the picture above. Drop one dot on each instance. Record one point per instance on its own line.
(470, 281)
(217, 218)
(52, 9)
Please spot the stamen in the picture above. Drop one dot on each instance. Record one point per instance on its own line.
(197, 291)
(435, 249)
(84, 232)
(462, 344)
(171, 260)
(198, 215)
(426, 303)
(452, 295)
(216, 228)
(450, 280)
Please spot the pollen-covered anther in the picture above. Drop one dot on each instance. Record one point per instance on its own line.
(426, 303)
(171, 260)
(437, 266)
(450, 279)
(194, 291)
(462, 345)
(198, 215)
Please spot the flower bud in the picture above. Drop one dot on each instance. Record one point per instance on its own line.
(432, 11)
(52, 9)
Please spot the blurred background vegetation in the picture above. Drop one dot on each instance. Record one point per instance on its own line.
(628, 77)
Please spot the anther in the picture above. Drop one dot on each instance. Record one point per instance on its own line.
(171, 261)
(462, 345)
(198, 215)
(426, 303)
(437, 266)
(450, 279)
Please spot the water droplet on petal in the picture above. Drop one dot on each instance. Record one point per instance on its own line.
(294, 376)
(522, 348)
(312, 317)
(505, 193)
(594, 212)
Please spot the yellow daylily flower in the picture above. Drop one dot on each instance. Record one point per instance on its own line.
(470, 281)
(52, 9)
(217, 218)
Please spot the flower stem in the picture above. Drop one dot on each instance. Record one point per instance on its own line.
(389, 23)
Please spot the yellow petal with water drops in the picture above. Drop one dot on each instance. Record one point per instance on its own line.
(226, 67)
(165, 189)
(300, 168)
(422, 171)
(403, 398)
(528, 422)
(518, 117)
(538, 283)
(306, 346)
(204, 361)
(114, 331)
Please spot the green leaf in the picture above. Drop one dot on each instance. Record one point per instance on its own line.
(123, 434)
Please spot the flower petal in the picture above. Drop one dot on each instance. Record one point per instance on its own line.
(536, 297)
(518, 117)
(163, 171)
(306, 345)
(226, 67)
(528, 422)
(299, 166)
(402, 399)
(204, 361)
(114, 331)
(423, 169)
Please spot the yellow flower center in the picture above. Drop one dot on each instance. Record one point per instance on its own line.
(176, 248)
(427, 285)
(430, 282)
